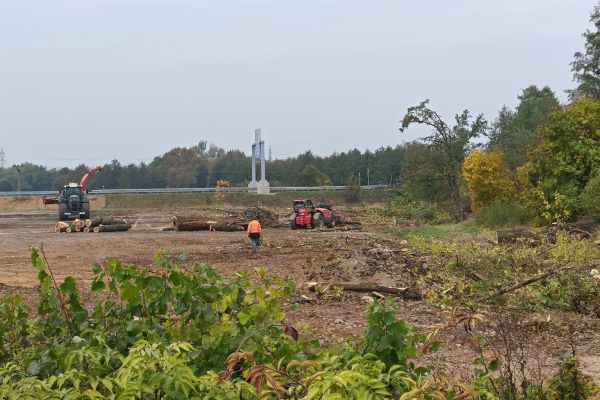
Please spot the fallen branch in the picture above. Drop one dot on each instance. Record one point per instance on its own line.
(538, 278)
(366, 287)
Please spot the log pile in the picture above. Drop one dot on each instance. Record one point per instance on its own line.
(183, 223)
(97, 224)
(264, 216)
(233, 221)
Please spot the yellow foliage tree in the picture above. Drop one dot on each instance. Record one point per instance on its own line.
(220, 194)
(487, 179)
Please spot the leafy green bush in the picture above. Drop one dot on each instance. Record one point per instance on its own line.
(352, 194)
(570, 383)
(503, 214)
(166, 331)
(400, 206)
(590, 198)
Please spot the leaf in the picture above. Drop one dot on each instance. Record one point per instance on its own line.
(290, 330)
(68, 286)
(96, 269)
(98, 285)
(130, 293)
(494, 365)
(243, 317)
(33, 368)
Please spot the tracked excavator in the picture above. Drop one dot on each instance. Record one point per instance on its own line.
(73, 199)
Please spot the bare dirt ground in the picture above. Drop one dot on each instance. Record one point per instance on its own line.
(302, 255)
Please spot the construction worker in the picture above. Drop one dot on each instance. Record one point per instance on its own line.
(254, 230)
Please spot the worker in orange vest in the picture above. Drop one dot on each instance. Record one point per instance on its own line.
(254, 230)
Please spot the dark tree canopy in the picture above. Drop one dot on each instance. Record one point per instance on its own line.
(452, 142)
(586, 64)
(514, 132)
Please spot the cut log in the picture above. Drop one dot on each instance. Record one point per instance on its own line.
(71, 228)
(112, 228)
(61, 226)
(113, 221)
(368, 287)
(92, 222)
(87, 230)
(204, 224)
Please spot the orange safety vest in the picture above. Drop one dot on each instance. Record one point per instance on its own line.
(254, 227)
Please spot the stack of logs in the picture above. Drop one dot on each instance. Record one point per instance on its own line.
(97, 224)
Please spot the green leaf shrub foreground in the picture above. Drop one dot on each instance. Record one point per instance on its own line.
(170, 331)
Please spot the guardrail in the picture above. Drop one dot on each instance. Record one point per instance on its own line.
(196, 190)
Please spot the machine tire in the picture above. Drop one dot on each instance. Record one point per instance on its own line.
(62, 209)
(317, 220)
(85, 207)
(293, 223)
(331, 223)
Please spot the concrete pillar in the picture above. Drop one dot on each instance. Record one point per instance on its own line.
(262, 161)
(253, 184)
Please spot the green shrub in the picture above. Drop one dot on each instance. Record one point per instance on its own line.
(420, 211)
(166, 331)
(503, 214)
(352, 193)
(570, 383)
(590, 198)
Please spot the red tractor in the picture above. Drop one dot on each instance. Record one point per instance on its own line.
(306, 214)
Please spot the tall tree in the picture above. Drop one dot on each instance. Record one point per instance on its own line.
(312, 176)
(586, 65)
(514, 132)
(567, 154)
(453, 142)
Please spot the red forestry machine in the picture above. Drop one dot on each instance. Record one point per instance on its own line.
(72, 199)
(306, 214)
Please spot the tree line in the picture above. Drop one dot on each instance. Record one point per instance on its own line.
(193, 166)
(542, 157)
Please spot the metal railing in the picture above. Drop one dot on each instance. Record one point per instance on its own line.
(273, 189)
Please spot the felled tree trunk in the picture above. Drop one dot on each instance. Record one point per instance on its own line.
(112, 228)
(202, 224)
(514, 235)
(112, 221)
(369, 287)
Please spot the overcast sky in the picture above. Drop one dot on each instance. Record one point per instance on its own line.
(88, 81)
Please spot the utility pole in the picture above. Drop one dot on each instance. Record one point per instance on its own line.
(2, 158)
(368, 179)
(18, 168)
(391, 180)
(359, 182)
